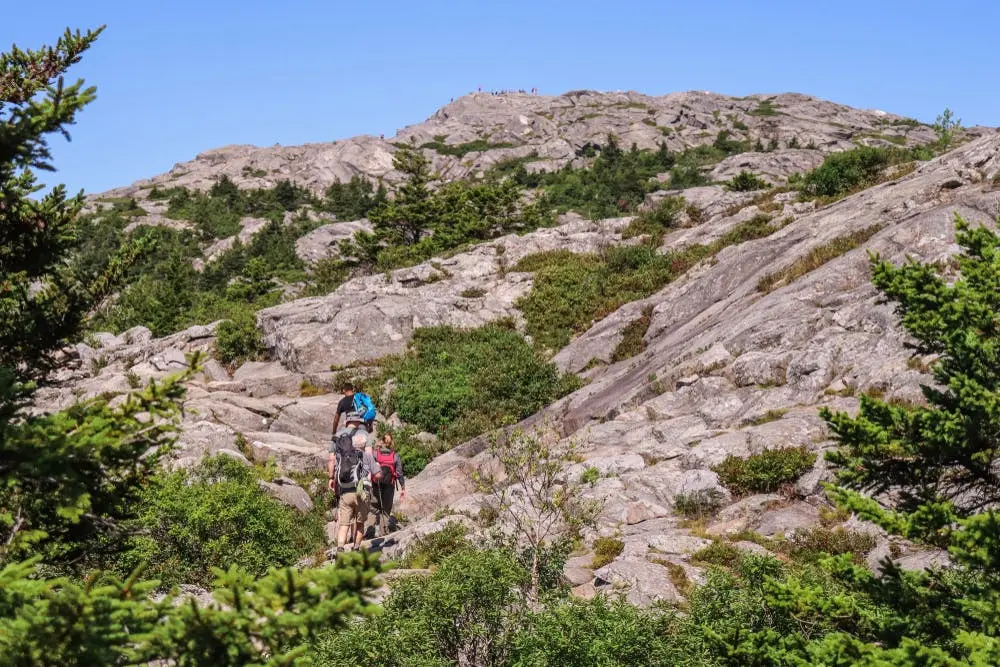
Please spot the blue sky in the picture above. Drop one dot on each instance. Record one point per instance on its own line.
(177, 78)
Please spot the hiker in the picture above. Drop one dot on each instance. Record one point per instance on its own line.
(355, 401)
(351, 467)
(384, 482)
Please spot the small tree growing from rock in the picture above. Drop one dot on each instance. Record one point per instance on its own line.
(944, 127)
(537, 505)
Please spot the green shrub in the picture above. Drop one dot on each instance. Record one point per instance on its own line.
(687, 176)
(765, 108)
(571, 291)
(459, 383)
(590, 475)
(615, 183)
(606, 549)
(237, 341)
(746, 181)
(606, 632)
(656, 221)
(354, 199)
(431, 549)
(460, 150)
(465, 612)
(764, 472)
(698, 504)
(849, 171)
(718, 553)
(633, 337)
(816, 258)
(812, 543)
(214, 515)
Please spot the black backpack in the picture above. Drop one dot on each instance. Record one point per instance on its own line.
(349, 459)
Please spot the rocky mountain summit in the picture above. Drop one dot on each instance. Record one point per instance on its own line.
(739, 352)
(478, 130)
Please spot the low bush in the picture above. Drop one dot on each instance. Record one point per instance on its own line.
(214, 515)
(848, 171)
(460, 150)
(633, 337)
(698, 504)
(718, 553)
(816, 258)
(812, 543)
(764, 472)
(590, 475)
(656, 221)
(571, 291)
(459, 383)
(431, 549)
(606, 549)
(238, 341)
(746, 181)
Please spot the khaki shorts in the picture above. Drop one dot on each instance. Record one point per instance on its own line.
(351, 510)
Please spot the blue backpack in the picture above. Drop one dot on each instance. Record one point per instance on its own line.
(363, 405)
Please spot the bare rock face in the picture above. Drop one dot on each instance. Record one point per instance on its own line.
(373, 316)
(324, 242)
(773, 167)
(551, 130)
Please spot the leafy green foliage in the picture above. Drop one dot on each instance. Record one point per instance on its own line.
(167, 294)
(421, 222)
(237, 341)
(944, 127)
(632, 342)
(812, 543)
(615, 183)
(571, 291)
(816, 258)
(71, 481)
(606, 549)
(460, 150)
(460, 383)
(849, 171)
(463, 613)
(598, 632)
(354, 199)
(43, 301)
(191, 521)
(655, 222)
(764, 472)
(267, 621)
(746, 181)
(543, 512)
(431, 549)
(698, 504)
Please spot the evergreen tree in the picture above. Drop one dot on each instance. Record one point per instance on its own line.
(406, 218)
(926, 473)
(69, 481)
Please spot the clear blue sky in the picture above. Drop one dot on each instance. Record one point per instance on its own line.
(176, 78)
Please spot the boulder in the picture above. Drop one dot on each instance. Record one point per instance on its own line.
(644, 583)
(288, 492)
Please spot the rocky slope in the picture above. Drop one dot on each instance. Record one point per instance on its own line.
(728, 368)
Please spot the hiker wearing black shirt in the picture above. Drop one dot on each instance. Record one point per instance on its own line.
(346, 405)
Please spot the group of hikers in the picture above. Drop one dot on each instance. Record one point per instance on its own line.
(364, 471)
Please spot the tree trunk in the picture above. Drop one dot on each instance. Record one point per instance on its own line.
(535, 581)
